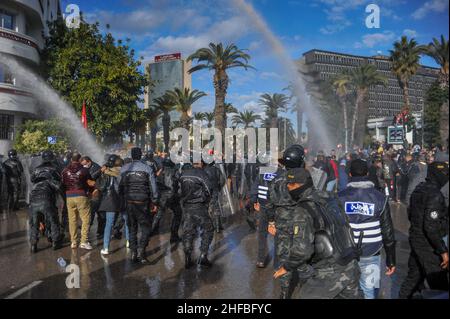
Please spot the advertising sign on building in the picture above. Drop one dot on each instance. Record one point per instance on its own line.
(168, 57)
(395, 135)
(51, 140)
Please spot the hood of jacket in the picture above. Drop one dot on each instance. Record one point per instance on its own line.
(360, 182)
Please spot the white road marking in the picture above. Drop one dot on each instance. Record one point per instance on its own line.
(24, 289)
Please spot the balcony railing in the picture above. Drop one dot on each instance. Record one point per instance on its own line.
(18, 37)
(11, 89)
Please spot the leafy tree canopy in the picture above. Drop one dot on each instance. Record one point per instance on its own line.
(84, 65)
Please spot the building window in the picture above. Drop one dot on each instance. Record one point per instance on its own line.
(6, 20)
(5, 75)
(6, 126)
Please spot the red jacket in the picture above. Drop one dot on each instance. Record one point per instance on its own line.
(335, 168)
(75, 178)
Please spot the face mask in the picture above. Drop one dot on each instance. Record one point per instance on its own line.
(87, 166)
(296, 194)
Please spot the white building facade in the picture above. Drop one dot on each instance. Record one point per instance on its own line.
(23, 24)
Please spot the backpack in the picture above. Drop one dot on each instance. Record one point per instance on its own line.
(333, 236)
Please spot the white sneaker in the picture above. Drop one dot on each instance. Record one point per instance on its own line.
(74, 245)
(128, 244)
(104, 251)
(86, 246)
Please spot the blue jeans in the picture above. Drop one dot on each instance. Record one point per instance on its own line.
(330, 185)
(110, 217)
(370, 276)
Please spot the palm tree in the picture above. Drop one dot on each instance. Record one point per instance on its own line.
(246, 118)
(183, 100)
(152, 115)
(273, 104)
(362, 78)
(199, 117)
(405, 61)
(209, 117)
(219, 60)
(439, 52)
(165, 105)
(229, 109)
(341, 84)
(297, 108)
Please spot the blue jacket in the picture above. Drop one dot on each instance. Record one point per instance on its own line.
(369, 213)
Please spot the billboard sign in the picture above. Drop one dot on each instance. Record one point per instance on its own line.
(395, 135)
(168, 57)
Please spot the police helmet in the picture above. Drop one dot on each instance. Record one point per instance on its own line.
(12, 154)
(293, 156)
(112, 159)
(47, 156)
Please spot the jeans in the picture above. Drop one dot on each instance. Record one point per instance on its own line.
(110, 218)
(370, 276)
(330, 185)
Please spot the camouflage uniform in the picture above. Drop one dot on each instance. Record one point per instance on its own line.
(295, 249)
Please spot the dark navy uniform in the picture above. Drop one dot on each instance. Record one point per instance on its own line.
(428, 216)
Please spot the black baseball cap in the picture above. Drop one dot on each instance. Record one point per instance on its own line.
(298, 175)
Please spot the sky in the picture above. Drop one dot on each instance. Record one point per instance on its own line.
(167, 26)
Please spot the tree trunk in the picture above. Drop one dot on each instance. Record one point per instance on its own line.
(344, 108)
(166, 130)
(443, 123)
(361, 117)
(299, 123)
(274, 120)
(406, 96)
(220, 86)
(154, 132)
(355, 116)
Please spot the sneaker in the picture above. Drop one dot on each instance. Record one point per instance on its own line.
(74, 245)
(104, 251)
(86, 246)
(127, 244)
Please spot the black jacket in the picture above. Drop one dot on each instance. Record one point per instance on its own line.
(13, 169)
(138, 183)
(194, 187)
(428, 216)
(108, 185)
(46, 182)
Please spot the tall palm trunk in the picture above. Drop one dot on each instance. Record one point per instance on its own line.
(184, 119)
(299, 123)
(405, 87)
(274, 119)
(344, 108)
(220, 86)
(166, 130)
(360, 116)
(153, 133)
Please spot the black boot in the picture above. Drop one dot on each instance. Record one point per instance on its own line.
(187, 260)
(203, 261)
(33, 248)
(141, 256)
(134, 256)
(57, 245)
(284, 294)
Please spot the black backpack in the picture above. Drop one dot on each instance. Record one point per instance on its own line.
(334, 236)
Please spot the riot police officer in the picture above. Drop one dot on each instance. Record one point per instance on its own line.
(195, 192)
(259, 196)
(428, 216)
(217, 181)
(46, 182)
(151, 161)
(139, 191)
(13, 173)
(169, 199)
(313, 240)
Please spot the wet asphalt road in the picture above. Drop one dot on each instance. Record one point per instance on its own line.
(25, 275)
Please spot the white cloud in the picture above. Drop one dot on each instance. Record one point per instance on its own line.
(228, 30)
(371, 40)
(410, 33)
(429, 7)
(270, 75)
